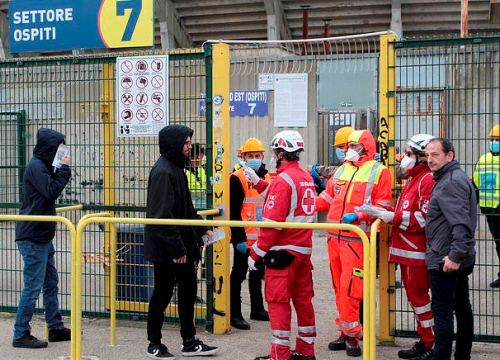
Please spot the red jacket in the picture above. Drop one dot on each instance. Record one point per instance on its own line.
(354, 184)
(290, 198)
(408, 241)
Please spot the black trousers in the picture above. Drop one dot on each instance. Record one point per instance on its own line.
(238, 275)
(493, 220)
(166, 276)
(450, 293)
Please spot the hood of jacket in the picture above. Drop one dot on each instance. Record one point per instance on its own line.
(452, 165)
(171, 141)
(365, 138)
(47, 142)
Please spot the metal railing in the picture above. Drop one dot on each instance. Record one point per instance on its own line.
(369, 265)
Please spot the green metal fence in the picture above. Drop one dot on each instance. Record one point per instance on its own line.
(76, 96)
(451, 88)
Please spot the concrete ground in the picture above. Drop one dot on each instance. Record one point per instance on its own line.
(238, 344)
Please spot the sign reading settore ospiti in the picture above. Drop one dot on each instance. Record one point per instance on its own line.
(56, 25)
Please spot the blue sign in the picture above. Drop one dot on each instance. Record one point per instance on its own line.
(243, 103)
(55, 25)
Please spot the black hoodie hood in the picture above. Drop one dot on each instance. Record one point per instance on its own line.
(47, 142)
(171, 141)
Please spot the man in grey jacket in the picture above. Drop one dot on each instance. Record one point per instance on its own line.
(450, 256)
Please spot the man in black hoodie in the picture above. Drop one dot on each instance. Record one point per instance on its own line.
(42, 185)
(450, 255)
(173, 250)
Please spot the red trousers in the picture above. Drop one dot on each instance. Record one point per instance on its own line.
(282, 285)
(416, 283)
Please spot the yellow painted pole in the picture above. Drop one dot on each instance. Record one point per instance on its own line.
(387, 111)
(209, 212)
(220, 182)
(112, 292)
(372, 349)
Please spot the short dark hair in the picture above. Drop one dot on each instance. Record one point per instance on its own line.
(446, 145)
(290, 156)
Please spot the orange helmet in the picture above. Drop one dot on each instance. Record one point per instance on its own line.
(342, 135)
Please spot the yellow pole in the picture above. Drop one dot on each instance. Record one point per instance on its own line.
(112, 292)
(69, 208)
(373, 291)
(387, 111)
(221, 172)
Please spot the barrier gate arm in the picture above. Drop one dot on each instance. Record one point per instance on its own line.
(76, 338)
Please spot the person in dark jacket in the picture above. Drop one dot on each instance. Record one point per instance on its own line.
(42, 185)
(450, 255)
(173, 250)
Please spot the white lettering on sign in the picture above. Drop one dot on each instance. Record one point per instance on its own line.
(42, 16)
(46, 33)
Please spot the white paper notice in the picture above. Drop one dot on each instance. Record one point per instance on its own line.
(290, 100)
(266, 81)
(142, 95)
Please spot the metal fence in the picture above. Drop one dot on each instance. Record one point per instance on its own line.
(76, 96)
(451, 88)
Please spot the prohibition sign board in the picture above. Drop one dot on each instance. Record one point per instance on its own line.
(142, 87)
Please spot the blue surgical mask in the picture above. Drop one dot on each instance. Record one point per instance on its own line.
(254, 163)
(495, 147)
(340, 153)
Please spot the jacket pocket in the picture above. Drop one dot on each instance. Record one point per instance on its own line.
(356, 194)
(355, 289)
(276, 282)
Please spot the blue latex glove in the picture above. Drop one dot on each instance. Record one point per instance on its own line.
(377, 156)
(242, 248)
(314, 173)
(349, 218)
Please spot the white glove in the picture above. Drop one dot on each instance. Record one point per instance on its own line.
(386, 216)
(251, 175)
(251, 264)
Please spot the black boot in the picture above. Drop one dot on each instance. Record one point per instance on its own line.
(338, 344)
(260, 315)
(417, 349)
(29, 342)
(297, 356)
(56, 335)
(239, 323)
(352, 347)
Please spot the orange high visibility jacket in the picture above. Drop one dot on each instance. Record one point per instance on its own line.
(365, 181)
(251, 210)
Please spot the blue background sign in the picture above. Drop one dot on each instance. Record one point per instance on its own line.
(243, 103)
(55, 25)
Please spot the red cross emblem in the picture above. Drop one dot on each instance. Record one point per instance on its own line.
(308, 201)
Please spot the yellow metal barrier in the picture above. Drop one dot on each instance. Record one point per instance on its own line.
(69, 208)
(368, 265)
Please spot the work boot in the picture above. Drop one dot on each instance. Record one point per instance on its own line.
(417, 349)
(352, 346)
(265, 357)
(29, 342)
(338, 344)
(297, 356)
(495, 284)
(239, 323)
(260, 315)
(56, 335)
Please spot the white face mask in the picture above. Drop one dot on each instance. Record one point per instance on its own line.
(407, 163)
(352, 155)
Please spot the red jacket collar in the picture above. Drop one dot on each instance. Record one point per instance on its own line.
(287, 165)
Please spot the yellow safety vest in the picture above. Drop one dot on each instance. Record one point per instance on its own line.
(197, 186)
(487, 179)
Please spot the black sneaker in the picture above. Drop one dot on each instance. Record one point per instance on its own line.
(495, 284)
(29, 342)
(56, 335)
(197, 348)
(261, 315)
(298, 356)
(352, 347)
(159, 351)
(338, 344)
(426, 355)
(417, 349)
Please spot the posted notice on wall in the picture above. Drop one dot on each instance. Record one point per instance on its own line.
(142, 95)
(290, 100)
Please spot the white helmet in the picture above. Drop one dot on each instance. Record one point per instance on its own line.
(419, 142)
(288, 140)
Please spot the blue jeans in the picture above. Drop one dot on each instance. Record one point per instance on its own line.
(39, 271)
(450, 294)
